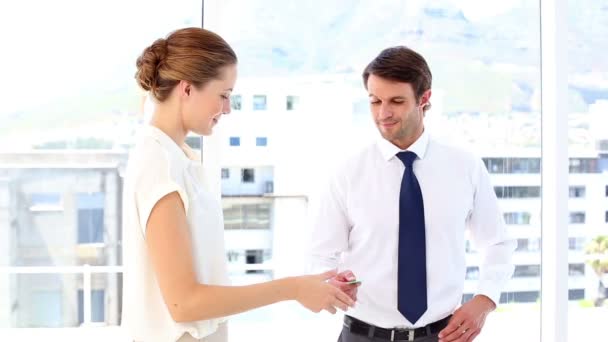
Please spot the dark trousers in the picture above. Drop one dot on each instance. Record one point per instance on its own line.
(347, 336)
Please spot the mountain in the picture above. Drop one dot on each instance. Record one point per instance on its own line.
(486, 54)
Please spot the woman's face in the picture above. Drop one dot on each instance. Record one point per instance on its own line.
(203, 108)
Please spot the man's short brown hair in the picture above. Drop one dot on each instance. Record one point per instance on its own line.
(401, 64)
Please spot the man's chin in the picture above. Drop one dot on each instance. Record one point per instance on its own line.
(386, 135)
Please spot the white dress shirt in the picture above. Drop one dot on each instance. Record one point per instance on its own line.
(356, 227)
(158, 166)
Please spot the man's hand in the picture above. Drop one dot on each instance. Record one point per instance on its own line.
(340, 281)
(468, 320)
(315, 293)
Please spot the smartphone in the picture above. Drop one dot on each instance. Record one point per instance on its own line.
(354, 282)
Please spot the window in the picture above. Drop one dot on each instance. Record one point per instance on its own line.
(46, 310)
(292, 102)
(606, 218)
(261, 141)
(576, 294)
(193, 142)
(576, 270)
(526, 271)
(225, 173)
(494, 165)
(90, 225)
(468, 247)
(522, 245)
(577, 217)
(520, 297)
(232, 256)
(512, 165)
(606, 190)
(517, 218)
(235, 141)
(472, 273)
(534, 245)
(248, 176)
(528, 245)
(247, 213)
(256, 216)
(517, 191)
(576, 243)
(236, 102)
(45, 201)
(584, 165)
(577, 191)
(90, 217)
(97, 306)
(269, 187)
(254, 257)
(259, 102)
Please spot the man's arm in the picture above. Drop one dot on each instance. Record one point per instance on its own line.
(330, 227)
(489, 235)
(329, 236)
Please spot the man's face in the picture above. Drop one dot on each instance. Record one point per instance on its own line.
(395, 110)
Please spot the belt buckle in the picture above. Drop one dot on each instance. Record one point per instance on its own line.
(410, 334)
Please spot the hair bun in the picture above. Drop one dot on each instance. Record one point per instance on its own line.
(149, 63)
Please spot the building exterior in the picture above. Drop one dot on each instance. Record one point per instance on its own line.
(60, 209)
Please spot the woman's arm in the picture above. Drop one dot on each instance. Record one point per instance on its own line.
(169, 246)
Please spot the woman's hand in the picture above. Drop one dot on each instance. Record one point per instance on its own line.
(316, 294)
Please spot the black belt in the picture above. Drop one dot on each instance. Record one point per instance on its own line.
(398, 334)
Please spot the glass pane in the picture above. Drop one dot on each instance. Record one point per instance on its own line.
(40, 300)
(259, 102)
(236, 102)
(62, 214)
(61, 186)
(588, 179)
(106, 299)
(301, 67)
(70, 109)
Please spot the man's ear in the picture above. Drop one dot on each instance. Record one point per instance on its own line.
(425, 99)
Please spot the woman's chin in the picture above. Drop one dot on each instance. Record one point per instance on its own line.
(203, 131)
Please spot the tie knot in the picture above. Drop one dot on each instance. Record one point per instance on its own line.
(407, 158)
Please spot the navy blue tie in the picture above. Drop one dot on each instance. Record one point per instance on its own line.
(411, 293)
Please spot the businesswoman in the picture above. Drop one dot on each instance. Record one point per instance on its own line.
(176, 286)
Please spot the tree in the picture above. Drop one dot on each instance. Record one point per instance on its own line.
(597, 257)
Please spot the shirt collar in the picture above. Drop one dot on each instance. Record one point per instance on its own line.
(388, 150)
(183, 153)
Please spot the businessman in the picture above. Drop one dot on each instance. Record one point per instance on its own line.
(396, 215)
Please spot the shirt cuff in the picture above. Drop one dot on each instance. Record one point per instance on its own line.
(492, 282)
(489, 290)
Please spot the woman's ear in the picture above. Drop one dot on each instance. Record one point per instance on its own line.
(184, 88)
